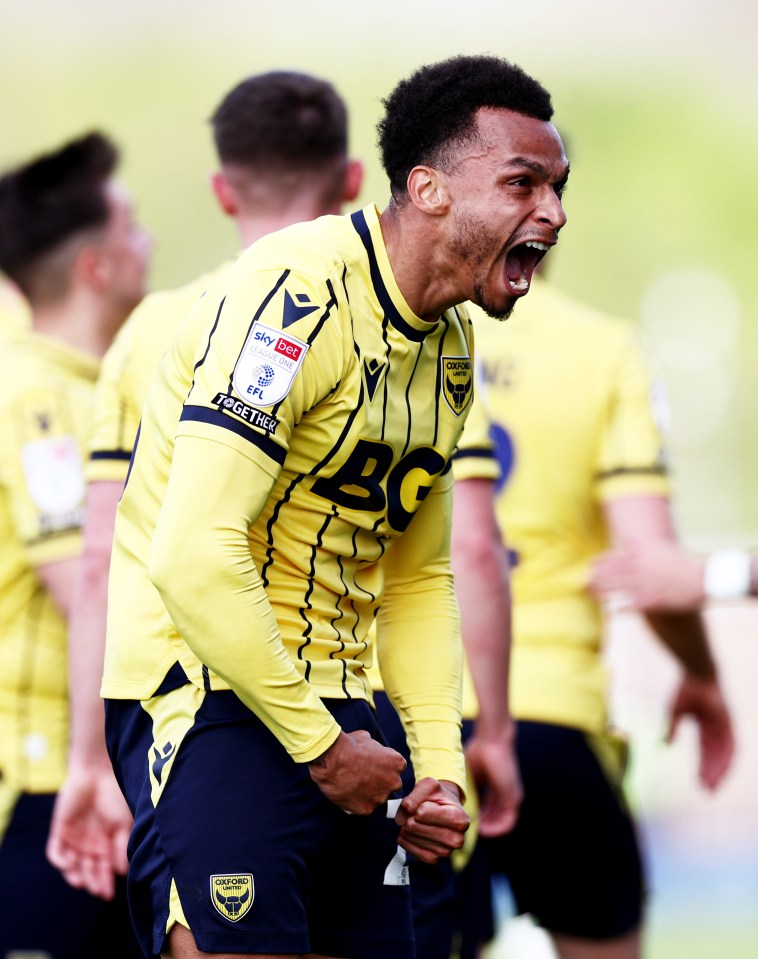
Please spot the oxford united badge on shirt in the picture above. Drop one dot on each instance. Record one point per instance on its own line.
(268, 364)
(232, 895)
(456, 381)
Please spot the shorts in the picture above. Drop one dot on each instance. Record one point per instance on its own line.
(40, 913)
(573, 860)
(260, 860)
(450, 908)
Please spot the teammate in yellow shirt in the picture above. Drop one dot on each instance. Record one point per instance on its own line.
(69, 242)
(281, 138)
(289, 483)
(582, 462)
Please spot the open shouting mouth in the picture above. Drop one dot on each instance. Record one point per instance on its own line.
(521, 262)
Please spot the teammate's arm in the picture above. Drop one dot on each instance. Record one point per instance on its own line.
(202, 566)
(480, 566)
(667, 577)
(58, 578)
(644, 521)
(91, 821)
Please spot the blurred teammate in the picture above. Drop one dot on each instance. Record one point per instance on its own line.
(69, 241)
(581, 463)
(286, 487)
(669, 578)
(281, 139)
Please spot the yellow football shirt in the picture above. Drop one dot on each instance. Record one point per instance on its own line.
(571, 403)
(126, 372)
(474, 459)
(305, 361)
(45, 405)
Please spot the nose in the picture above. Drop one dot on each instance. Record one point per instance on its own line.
(551, 209)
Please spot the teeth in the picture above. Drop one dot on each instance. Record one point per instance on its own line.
(520, 284)
(537, 245)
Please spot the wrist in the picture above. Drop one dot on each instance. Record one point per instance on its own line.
(322, 761)
(501, 731)
(451, 787)
(90, 756)
(710, 681)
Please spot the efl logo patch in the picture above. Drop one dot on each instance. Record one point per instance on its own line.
(232, 896)
(457, 381)
(270, 359)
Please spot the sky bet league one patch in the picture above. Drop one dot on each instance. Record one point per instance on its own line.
(270, 359)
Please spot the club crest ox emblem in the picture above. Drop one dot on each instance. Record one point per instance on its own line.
(232, 895)
(456, 381)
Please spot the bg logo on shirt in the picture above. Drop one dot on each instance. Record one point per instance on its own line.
(267, 366)
(456, 381)
(232, 895)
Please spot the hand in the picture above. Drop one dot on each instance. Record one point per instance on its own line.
(703, 700)
(495, 771)
(653, 576)
(357, 773)
(432, 820)
(89, 830)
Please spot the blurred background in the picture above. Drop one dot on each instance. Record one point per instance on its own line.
(657, 101)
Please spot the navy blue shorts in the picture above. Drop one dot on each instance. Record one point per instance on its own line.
(573, 860)
(261, 860)
(450, 909)
(39, 912)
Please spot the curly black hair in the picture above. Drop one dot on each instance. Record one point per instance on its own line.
(436, 107)
(46, 201)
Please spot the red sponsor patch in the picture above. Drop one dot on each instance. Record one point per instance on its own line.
(288, 348)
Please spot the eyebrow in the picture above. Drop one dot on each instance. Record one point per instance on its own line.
(538, 168)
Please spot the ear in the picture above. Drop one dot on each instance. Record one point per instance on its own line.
(92, 268)
(224, 193)
(427, 189)
(353, 180)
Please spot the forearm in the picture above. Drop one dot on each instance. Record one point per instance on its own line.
(86, 649)
(685, 636)
(421, 657)
(207, 579)
(482, 583)
(483, 592)
(87, 625)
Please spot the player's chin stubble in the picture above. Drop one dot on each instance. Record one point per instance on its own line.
(480, 298)
(472, 244)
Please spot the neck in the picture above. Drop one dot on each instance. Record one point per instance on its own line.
(419, 263)
(74, 321)
(251, 226)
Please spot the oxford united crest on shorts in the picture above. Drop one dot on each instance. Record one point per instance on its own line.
(232, 895)
(457, 381)
(267, 365)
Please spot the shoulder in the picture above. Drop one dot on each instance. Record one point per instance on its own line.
(164, 309)
(24, 369)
